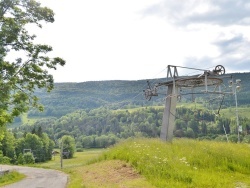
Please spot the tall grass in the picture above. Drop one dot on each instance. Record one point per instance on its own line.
(186, 163)
(11, 177)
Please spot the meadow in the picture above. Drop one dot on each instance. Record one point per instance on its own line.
(186, 163)
(153, 163)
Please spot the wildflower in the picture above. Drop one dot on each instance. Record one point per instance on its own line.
(183, 159)
(165, 159)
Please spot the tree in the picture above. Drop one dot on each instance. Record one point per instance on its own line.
(20, 158)
(68, 145)
(28, 158)
(190, 133)
(20, 77)
(8, 144)
(87, 141)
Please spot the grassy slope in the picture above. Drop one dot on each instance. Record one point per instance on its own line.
(231, 112)
(187, 163)
(152, 163)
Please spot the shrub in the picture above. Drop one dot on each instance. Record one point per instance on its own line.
(4, 160)
(221, 138)
(246, 139)
(20, 159)
(233, 138)
(79, 150)
(190, 133)
(28, 158)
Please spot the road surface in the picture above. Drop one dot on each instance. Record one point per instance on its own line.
(37, 177)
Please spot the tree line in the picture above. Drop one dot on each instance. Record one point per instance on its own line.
(69, 97)
(103, 127)
(34, 146)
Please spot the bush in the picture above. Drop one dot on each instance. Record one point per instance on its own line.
(4, 160)
(20, 159)
(190, 133)
(79, 150)
(28, 158)
(69, 146)
(221, 138)
(233, 138)
(246, 139)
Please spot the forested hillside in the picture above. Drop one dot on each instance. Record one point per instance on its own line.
(68, 97)
(98, 114)
(102, 127)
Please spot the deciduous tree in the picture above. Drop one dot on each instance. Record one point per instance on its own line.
(20, 76)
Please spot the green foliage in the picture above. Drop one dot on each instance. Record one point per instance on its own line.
(190, 133)
(221, 138)
(20, 77)
(8, 145)
(233, 138)
(41, 147)
(103, 127)
(69, 97)
(88, 142)
(186, 163)
(246, 139)
(68, 144)
(79, 150)
(95, 141)
(28, 158)
(4, 159)
(20, 159)
(11, 177)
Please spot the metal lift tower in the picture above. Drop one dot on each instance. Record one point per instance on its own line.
(207, 80)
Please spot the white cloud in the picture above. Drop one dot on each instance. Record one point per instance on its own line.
(136, 39)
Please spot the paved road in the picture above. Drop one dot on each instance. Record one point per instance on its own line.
(37, 178)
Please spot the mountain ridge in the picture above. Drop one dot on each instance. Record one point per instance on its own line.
(115, 94)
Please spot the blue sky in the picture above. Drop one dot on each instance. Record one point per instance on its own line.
(137, 39)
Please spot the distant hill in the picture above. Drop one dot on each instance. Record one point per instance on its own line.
(116, 94)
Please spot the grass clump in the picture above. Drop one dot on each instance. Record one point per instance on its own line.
(186, 163)
(11, 177)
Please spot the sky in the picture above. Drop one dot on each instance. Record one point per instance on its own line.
(138, 39)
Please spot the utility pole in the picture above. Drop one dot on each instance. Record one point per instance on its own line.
(236, 85)
(237, 114)
(61, 154)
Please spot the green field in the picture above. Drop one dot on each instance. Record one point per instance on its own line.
(153, 163)
(231, 112)
(186, 163)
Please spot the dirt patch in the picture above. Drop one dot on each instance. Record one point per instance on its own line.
(113, 173)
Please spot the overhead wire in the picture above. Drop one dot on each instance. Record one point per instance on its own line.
(139, 93)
